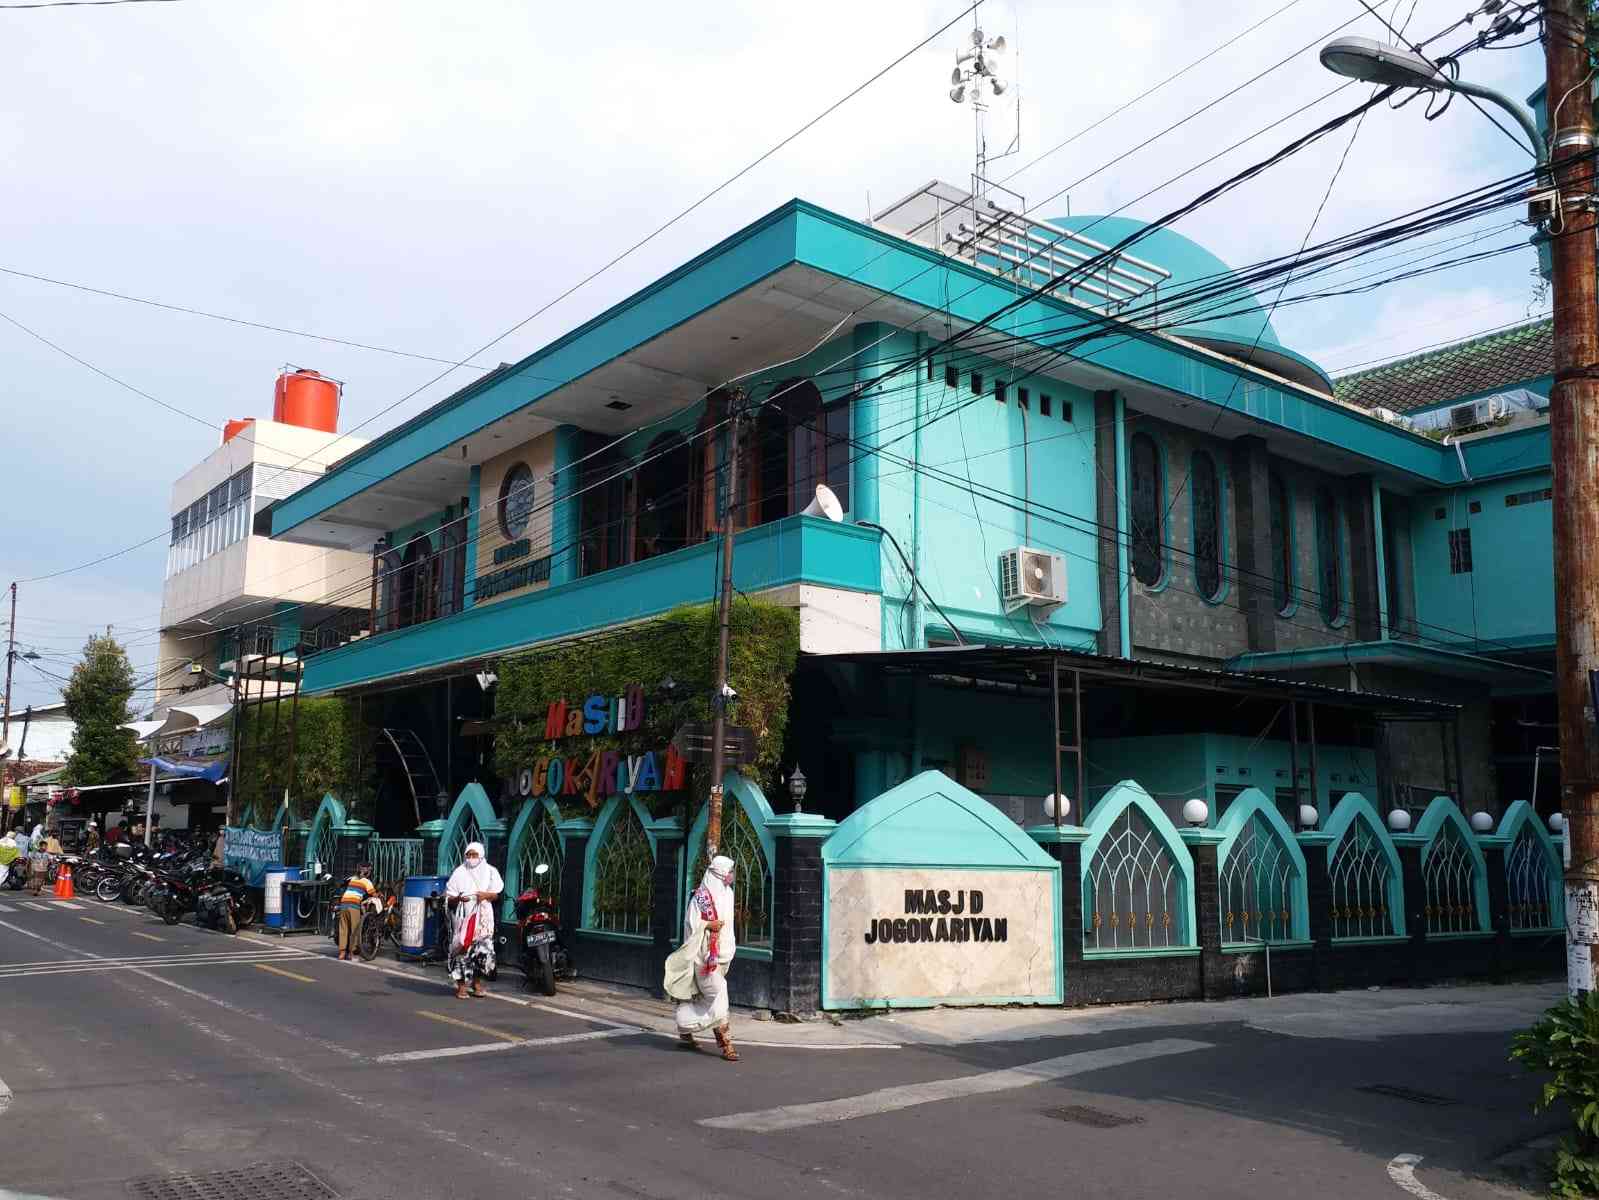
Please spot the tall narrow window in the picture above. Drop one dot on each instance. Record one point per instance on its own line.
(819, 450)
(1460, 551)
(1206, 485)
(1282, 542)
(1329, 564)
(1394, 516)
(1147, 504)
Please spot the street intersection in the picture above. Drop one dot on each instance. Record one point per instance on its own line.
(134, 1051)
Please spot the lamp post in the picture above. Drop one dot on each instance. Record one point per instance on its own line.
(797, 783)
(1377, 62)
(1573, 413)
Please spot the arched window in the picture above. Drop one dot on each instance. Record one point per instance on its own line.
(606, 533)
(1148, 509)
(452, 562)
(1282, 541)
(1329, 562)
(413, 595)
(664, 480)
(1206, 487)
(818, 443)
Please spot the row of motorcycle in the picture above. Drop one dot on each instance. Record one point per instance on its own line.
(172, 881)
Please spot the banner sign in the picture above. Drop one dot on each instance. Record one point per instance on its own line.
(251, 851)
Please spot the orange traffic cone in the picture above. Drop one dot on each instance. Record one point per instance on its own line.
(64, 882)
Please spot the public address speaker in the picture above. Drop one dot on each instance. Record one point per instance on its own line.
(825, 504)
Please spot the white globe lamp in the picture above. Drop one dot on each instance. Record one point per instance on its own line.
(1057, 805)
(1196, 812)
(1399, 820)
(1481, 821)
(1308, 816)
(1557, 822)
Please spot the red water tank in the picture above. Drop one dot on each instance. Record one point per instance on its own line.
(235, 426)
(307, 399)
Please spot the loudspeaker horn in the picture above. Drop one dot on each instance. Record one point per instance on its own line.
(825, 505)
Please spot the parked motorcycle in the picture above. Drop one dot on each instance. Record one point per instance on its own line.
(544, 953)
(216, 907)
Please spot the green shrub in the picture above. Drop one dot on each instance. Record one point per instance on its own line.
(1566, 1045)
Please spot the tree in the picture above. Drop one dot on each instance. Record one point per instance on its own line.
(97, 699)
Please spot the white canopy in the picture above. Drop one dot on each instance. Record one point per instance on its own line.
(180, 718)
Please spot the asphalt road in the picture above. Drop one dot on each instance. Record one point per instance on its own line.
(134, 1050)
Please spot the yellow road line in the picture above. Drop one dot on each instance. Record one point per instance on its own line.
(91, 920)
(150, 937)
(499, 1033)
(281, 971)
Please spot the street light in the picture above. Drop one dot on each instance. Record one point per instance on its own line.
(797, 784)
(1376, 62)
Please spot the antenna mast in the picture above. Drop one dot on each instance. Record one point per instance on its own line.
(978, 80)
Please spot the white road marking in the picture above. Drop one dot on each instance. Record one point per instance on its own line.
(35, 906)
(25, 932)
(68, 904)
(89, 967)
(5, 1097)
(1402, 1170)
(797, 1116)
(518, 1044)
(6, 908)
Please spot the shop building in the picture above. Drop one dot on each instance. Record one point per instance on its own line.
(233, 599)
(1237, 567)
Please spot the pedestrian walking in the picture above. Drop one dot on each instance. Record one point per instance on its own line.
(91, 840)
(350, 910)
(709, 937)
(472, 889)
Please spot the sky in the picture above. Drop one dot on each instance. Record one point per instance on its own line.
(423, 177)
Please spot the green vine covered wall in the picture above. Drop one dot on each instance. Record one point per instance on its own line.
(332, 753)
(680, 647)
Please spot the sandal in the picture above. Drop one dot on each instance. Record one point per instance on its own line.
(460, 991)
(478, 993)
(685, 1041)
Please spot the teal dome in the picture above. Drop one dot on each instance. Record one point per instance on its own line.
(1191, 265)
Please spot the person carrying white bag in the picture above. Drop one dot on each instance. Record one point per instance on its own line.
(696, 972)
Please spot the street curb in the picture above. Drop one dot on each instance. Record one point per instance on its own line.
(614, 1017)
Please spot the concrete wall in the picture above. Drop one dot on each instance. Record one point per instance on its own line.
(1171, 620)
(1508, 598)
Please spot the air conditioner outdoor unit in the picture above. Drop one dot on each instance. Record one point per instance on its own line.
(1032, 578)
(1476, 412)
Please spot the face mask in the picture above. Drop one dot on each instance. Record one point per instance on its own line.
(474, 862)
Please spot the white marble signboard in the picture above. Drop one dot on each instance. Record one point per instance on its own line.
(931, 935)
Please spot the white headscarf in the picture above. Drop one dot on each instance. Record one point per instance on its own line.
(465, 880)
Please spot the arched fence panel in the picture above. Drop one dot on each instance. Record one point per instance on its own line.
(619, 875)
(746, 841)
(1534, 894)
(1364, 877)
(321, 841)
(1453, 871)
(471, 815)
(534, 840)
(1138, 877)
(1260, 874)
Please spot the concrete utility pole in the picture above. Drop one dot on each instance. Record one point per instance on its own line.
(713, 822)
(1574, 436)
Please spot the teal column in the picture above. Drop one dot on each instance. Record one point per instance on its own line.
(1382, 559)
(1123, 571)
(566, 517)
(871, 351)
(474, 501)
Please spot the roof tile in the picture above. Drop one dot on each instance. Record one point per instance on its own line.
(1470, 368)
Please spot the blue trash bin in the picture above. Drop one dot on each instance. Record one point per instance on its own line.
(419, 922)
(277, 905)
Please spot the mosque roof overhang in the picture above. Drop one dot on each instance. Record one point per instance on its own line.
(771, 292)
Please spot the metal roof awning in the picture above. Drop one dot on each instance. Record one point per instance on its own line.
(1028, 666)
(1434, 660)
